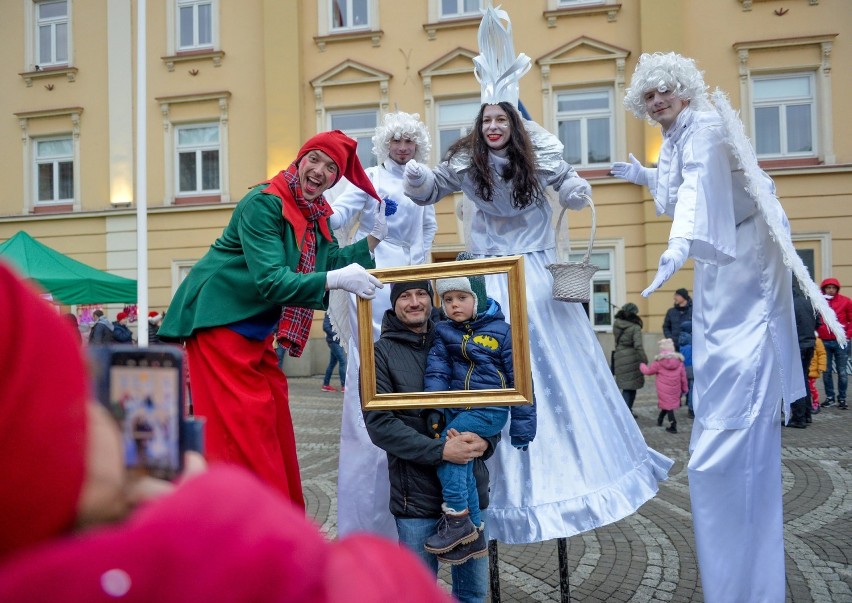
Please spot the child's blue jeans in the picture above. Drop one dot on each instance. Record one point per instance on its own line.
(457, 482)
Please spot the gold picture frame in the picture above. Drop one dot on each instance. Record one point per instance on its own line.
(522, 393)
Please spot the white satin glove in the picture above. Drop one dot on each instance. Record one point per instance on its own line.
(670, 262)
(380, 223)
(335, 221)
(414, 173)
(577, 197)
(354, 279)
(632, 172)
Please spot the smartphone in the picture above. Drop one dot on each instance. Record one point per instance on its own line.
(144, 390)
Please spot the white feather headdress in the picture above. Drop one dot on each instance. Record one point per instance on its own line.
(496, 68)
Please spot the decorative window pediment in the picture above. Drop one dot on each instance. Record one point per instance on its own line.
(583, 49)
(348, 73)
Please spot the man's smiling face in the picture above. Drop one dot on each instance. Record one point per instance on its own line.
(317, 173)
(664, 107)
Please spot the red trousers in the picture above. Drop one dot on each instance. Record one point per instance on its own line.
(238, 388)
(814, 392)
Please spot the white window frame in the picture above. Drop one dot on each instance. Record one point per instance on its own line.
(52, 23)
(583, 117)
(31, 37)
(173, 27)
(362, 135)
(180, 270)
(54, 161)
(570, 3)
(198, 149)
(460, 12)
(196, 25)
(463, 126)
(781, 103)
(332, 28)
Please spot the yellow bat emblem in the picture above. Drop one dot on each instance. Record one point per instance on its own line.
(486, 341)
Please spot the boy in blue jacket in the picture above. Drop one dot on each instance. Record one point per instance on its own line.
(472, 350)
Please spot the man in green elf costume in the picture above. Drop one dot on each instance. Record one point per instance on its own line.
(277, 252)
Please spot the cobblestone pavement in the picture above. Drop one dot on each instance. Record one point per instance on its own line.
(650, 555)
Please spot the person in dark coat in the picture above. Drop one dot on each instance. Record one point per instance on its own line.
(101, 332)
(680, 311)
(413, 443)
(684, 342)
(806, 326)
(628, 353)
(120, 332)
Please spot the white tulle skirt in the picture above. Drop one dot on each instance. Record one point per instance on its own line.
(589, 464)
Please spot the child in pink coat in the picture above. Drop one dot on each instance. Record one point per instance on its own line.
(671, 381)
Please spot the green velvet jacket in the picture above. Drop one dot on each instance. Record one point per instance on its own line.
(251, 268)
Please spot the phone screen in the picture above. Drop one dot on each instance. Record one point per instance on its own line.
(144, 394)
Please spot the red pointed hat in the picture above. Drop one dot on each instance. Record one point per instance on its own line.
(343, 151)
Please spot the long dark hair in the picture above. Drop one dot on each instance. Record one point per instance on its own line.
(520, 170)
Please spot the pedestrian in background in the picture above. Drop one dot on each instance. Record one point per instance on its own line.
(336, 357)
(671, 381)
(629, 353)
(815, 371)
(836, 354)
(684, 345)
(679, 312)
(806, 325)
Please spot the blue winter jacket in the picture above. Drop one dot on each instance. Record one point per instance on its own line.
(478, 355)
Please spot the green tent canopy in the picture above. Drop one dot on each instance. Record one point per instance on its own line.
(67, 280)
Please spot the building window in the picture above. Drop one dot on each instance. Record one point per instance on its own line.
(584, 122)
(349, 14)
(570, 3)
(451, 9)
(784, 108)
(600, 309)
(54, 171)
(455, 119)
(197, 155)
(360, 125)
(195, 24)
(52, 33)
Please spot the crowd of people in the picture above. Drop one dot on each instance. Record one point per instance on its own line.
(441, 482)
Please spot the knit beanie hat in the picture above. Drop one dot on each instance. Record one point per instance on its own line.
(683, 293)
(666, 346)
(42, 421)
(121, 316)
(398, 289)
(343, 151)
(475, 285)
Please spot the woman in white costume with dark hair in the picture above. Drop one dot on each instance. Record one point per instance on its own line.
(589, 464)
(363, 489)
(745, 348)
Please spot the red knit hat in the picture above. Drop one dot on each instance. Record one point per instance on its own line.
(42, 420)
(343, 151)
(121, 316)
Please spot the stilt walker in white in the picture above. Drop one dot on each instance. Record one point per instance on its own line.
(589, 464)
(363, 488)
(727, 218)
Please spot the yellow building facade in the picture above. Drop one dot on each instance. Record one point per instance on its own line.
(233, 88)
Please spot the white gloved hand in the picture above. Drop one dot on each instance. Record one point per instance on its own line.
(670, 262)
(578, 195)
(414, 173)
(354, 279)
(335, 221)
(632, 172)
(380, 223)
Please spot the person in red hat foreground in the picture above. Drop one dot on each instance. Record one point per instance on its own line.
(275, 261)
(75, 529)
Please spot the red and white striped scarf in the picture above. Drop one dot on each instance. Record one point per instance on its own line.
(295, 324)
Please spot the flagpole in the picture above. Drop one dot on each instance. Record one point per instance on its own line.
(141, 176)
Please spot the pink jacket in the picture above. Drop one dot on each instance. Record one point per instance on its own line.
(671, 380)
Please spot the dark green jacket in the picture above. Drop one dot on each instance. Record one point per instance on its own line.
(629, 352)
(251, 268)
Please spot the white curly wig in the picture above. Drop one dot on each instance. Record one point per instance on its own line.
(666, 72)
(402, 125)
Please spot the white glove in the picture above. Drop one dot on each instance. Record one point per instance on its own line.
(414, 173)
(577, 198)
(335, 221)
(632, 172)
(380, 223)
(354, 279)
(670, 262)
